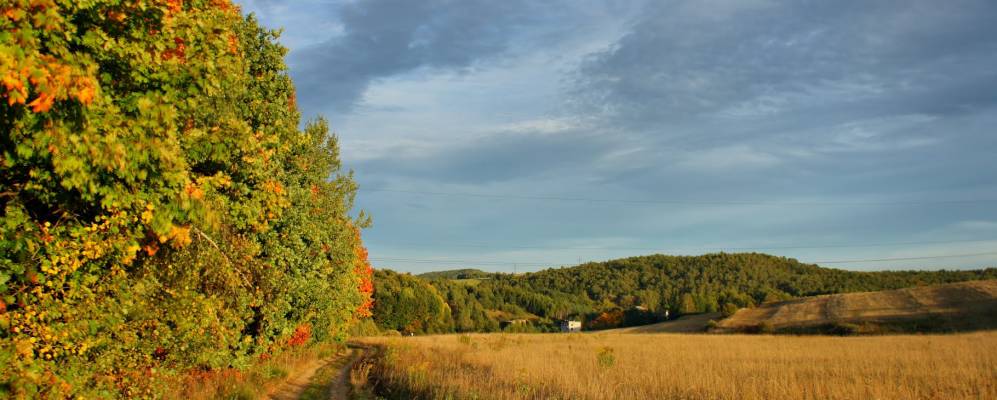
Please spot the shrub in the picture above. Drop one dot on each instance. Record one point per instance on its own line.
(844, 328)
(606, 358)
(711, 325)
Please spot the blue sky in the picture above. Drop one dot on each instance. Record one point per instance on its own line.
(513, 135)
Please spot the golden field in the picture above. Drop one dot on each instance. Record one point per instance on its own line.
(968, 305)
(682, 366)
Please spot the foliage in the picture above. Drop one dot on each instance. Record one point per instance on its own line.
(408, 304)
(466, 273)
(605, 357)
(161, 209)
(638, 290)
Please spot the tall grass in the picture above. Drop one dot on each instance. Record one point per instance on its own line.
(674, 366)
(258, 381)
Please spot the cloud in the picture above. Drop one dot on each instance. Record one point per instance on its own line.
(977, 225)
(500, 157)
(737, 157)
(708, 59)
(385, 38)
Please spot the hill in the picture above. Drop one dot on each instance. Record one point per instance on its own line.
(466, 273)
(938, 308)
(638, 290)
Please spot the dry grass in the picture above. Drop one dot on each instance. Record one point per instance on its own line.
(677, 366)
(956, 306)
(261, 380)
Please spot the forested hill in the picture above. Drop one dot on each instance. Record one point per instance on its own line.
(466, 273)
(640, 289)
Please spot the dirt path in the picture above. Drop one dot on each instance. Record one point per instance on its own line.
(340, 388)
(322, 379)
(295, 386)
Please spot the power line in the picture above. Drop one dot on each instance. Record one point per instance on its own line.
(685, 202)
(450, 261)
(908, 258)
(508, 263)
(719, 248)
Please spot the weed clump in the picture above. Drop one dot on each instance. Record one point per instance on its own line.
(606, 358)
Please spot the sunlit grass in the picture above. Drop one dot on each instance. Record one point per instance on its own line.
(258, 381)
(674, 366)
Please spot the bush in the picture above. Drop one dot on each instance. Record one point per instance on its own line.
(845, 329)
(606, 358)
(711, 325)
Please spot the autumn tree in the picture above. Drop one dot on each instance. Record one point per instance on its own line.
(162, 210)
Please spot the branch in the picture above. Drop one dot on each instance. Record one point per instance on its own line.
(215, 245)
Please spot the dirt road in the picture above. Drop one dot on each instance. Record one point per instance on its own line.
(327, 379)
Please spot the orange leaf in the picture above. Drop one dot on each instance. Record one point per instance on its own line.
(85, 91)
(174, 5)
(151, 248)
(43, 103)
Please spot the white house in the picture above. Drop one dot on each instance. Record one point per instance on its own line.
(571, 326)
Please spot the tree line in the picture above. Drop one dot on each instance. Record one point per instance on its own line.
(624, 292)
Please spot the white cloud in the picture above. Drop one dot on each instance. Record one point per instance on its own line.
(719, 159)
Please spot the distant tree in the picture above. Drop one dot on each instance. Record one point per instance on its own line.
(409, 304)
(687, 304)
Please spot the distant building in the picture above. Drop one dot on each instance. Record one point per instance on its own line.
(571, 326)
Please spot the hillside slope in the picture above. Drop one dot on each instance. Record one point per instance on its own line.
(948, 307)
(696, 323)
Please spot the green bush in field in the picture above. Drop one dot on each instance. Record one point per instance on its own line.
(161, 210)
(606, 358)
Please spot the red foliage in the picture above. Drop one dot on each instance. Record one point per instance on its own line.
(160, 354)
(300, 336)
(608, 319)
(179, 52)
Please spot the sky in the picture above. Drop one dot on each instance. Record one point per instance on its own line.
(517, 135)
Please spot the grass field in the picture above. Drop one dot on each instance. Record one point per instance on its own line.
(951, 307)
(678, 366)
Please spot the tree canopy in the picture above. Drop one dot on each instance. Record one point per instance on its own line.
(162, 209)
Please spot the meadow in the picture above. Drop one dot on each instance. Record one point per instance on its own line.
(961, 306)
(681, 366)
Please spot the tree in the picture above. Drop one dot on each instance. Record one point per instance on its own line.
(162, 210)
(687, 305)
